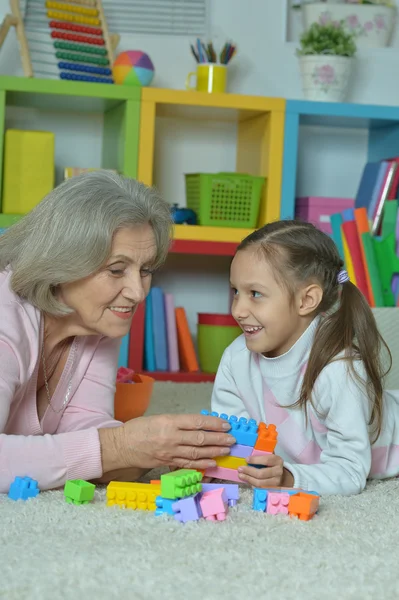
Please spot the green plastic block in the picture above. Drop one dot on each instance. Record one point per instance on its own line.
(77, 491)
(180, 484)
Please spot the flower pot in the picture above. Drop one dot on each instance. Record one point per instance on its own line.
(325, 77)
(372, 25)
(133, 399)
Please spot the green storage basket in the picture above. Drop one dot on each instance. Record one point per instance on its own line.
(215, 333)
(224, 199)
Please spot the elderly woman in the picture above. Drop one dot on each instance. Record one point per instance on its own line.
(72, 273)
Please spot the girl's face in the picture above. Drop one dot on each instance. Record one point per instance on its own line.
(104, 303)
(261, 306)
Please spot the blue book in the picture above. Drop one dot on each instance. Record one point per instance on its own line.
(336, 223)
(348, 214)
(159, 329)
(149, 352)
(123, 359)
(367, 184)
(375, 195)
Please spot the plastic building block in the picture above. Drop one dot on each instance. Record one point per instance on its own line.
(257, 453)
(222, 473)
(303, 506)
(277, 502)
(137, 496)
(23, 488)
(78, 491)
(231, 489)
(240, 451)
(260, 499)
(267, 438)
(188, 509)
(180, 484)
(230, 462)
(214, 505)
(155, 482)
(164, 505)
(245, 431)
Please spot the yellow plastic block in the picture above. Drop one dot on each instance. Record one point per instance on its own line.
(230, 462)
(137, 496)
(28, 169)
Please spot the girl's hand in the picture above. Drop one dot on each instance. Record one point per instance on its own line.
(272, 475)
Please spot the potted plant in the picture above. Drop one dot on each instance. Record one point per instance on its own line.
(371, 22)
(325, 56)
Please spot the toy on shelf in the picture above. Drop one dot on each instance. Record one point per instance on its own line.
(78, 491)
(63, 40)
(23, 488)
(133, 67)
(251, 440)
(182, 216)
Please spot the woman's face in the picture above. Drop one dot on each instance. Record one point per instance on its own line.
(104, 303)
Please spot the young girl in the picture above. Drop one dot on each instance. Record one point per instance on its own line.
(309, 361)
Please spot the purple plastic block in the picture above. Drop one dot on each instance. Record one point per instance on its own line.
(231, 489)
(231, 503)
(240, 451)
(188, 509)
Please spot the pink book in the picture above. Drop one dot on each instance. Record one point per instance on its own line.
(171, 333)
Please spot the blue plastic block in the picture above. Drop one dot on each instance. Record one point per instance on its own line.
(244, 430)
(23, 488)
(260, 499)
(164, 505)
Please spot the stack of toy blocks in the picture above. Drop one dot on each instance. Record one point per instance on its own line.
(78, 491)
(286, 501)
(185, 498)
(251, 440)
(23, 488)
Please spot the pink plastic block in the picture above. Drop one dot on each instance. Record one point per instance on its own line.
(277, 502)
(317, 210)
(214, 505)
(223, 473)
(240, 451)
(187, 509)
(259, 452)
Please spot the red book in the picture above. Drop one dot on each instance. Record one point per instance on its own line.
(136, 340)
(350, 230)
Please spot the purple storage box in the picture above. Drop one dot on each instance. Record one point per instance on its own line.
(317, 210)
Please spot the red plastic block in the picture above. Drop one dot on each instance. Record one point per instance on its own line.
(214, 505)
(267, 438)
(303, 506)
(277, 502)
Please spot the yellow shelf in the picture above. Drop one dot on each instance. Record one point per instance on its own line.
(260, 135)
(210, 234)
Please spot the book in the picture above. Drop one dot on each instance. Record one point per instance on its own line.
(136, 340)
(159, 329)
(362, 226)
(171, 333)
(367, 184)
(377, 216)
(350, 231)
(123, 358)
(188, 358)
(149, 351)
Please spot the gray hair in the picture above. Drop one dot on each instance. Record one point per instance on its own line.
(68, 236)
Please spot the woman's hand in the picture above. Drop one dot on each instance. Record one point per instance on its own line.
(272, 475)
(182, 441)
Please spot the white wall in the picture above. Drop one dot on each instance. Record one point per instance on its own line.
(265, 65)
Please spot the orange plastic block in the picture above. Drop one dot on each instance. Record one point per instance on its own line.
(155, 482)
(267, 438)
(137, 496)
(303, 506)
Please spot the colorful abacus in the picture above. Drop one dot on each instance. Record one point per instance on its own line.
(79, 40)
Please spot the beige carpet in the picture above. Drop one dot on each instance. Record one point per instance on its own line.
(51, 550)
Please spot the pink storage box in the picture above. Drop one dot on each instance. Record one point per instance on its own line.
(317, 210)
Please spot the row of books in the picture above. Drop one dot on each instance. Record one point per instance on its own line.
(368, 240)
(168, 345)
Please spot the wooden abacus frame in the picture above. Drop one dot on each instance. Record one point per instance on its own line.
(15, 20)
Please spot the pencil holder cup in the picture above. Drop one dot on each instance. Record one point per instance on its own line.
(210, 78)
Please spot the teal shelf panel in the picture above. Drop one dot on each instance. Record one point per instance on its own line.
(381, 122)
